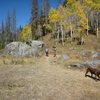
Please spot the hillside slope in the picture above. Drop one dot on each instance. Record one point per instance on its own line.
(92, 43)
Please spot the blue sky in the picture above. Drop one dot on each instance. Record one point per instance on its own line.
(23, 9)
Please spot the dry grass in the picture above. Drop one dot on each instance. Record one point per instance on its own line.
(10, 60)
(44, 80)
(91, 44)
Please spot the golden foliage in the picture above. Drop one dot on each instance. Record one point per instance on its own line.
(82, 16)
(62, 13)
(53, 16)
(47, 26)
(94, 4)
(25, 33)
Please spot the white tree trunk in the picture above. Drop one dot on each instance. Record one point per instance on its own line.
(62, 35)
(58, 34)
(53, 38)
(87, 27)
(82, 40)
(97, 33)
(71, 34)
(55, 29)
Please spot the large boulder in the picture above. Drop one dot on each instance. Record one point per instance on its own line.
(64, 57)
(37, 44)
(90, 63)
(23, 49)
(84, 54)
(95, 55)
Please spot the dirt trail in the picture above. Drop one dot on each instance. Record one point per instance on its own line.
(46, 80)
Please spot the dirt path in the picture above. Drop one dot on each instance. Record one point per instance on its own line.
(46, 80)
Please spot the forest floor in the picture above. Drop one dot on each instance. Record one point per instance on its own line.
(43, 79)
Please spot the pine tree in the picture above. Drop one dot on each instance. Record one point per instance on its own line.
(34, 11)
(59, 2)
(14, 22)
(3, 28)
(2, 35)
(8, 34)
(45, 9)
(34, 17)
(13, 25)
(44, 15)
(8, 24)
(65, 3)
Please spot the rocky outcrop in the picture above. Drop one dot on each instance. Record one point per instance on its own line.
(91, 63)
(95, 55)
(64, 57)
(23, 49)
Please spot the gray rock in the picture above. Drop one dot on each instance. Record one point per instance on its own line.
(95, 55)
(92, 63)
(23, 49)
(84, 53)
(64, 57)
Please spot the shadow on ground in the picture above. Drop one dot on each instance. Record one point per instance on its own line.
(98, 79)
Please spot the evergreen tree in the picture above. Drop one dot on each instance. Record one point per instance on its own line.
(34, 11)
(2, 35)
(59, 2)
(14, 22)
(44, 15)
(8, 34)
(8, 24)
(20, 28)
(65, 2)
(13, 25)
(3, 28)
(34, 17)
(45, 9)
